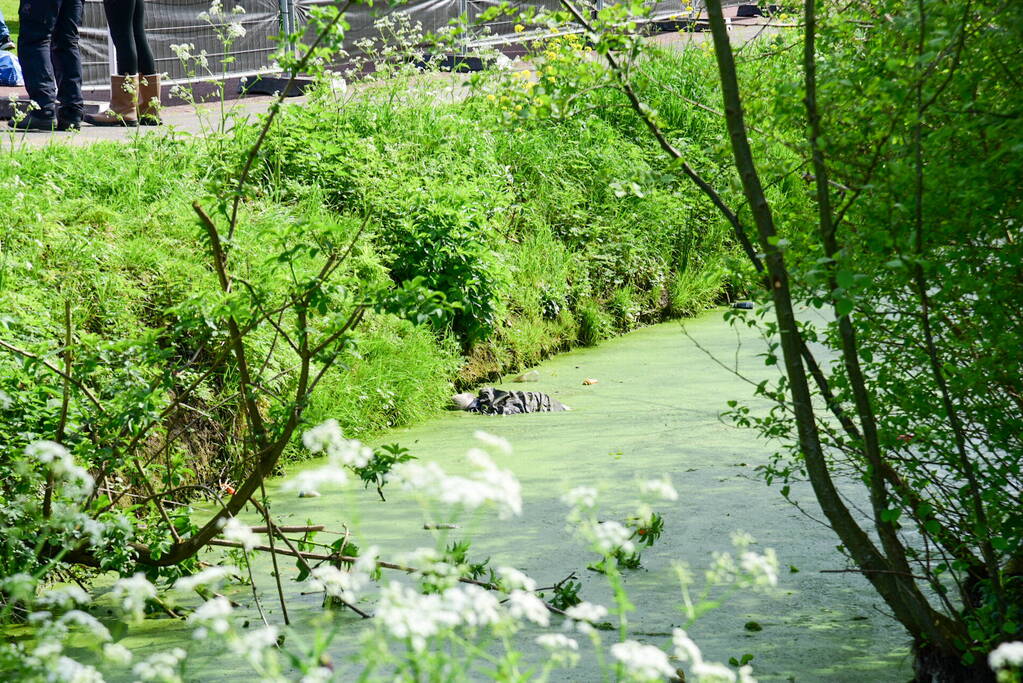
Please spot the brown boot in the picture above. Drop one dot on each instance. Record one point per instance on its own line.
(121, 112)
(149, 100)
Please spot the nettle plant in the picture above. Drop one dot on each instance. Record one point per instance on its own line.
(442, 622)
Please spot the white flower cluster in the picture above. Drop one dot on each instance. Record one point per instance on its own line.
(659, 488)
(132, 594)
(77, 481)
(239, 532)
(341, 453)
(607, 537)
(64, 597)
(50, 634)
(706, 672)
(67, 669)
(753, 568)
(584, 615)
(213, 615)
(185, 52)
(763, 569)
(408, 615)
(328, 439)
(346, 584)
(561, 650)
(488, 484)
(431, 568)
(163, 666)
(211, 577)
(581, 497)
(642, 662)
(254, 645)
(525, 605)
(235, 30)
(1006, 655)
(512, 578)
(487, 439)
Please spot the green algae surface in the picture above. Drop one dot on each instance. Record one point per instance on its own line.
(655, 410)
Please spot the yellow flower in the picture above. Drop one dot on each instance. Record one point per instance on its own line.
(519, 28)
(491, 98)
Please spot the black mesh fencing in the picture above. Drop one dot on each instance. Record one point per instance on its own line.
(189, 22)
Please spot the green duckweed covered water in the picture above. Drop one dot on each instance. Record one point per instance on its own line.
(655, 410)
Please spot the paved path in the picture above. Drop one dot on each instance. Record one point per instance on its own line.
(189, 120)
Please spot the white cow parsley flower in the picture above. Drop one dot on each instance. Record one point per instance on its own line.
(133, 593)
(209, 577)
(1006, 655)
(661, 488)
(525, 605)
(235, 530)
(644, 662)
(513, 578)
(211, 615)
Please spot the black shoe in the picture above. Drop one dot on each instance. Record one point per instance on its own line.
(34, 121)
(69, 118)
(69, 123)
(7, 44)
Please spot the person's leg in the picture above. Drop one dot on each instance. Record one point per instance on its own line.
(5, 33)
(38, 19)
(67, 54)
(146, 63)
(149, 79)
(124, 87)
(120, 20)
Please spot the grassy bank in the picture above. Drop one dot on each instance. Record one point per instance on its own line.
(542, 235)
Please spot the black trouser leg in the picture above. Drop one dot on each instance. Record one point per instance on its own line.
(68, 58)
(38, 19)
(127, 19)
(147, 63)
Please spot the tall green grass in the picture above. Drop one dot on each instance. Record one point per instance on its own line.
(524, 225)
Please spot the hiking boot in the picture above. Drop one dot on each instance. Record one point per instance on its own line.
(149, 100)
(121, 111)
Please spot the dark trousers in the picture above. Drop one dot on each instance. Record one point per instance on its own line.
(49, 28)
(127, 21)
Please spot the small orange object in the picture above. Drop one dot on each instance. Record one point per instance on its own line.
(228, 488)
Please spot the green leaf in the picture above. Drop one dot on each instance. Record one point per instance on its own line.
(843, 307)
(891, 515)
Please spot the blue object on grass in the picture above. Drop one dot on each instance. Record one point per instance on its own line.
(10, 70)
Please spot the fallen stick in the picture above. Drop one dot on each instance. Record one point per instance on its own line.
(288, 529)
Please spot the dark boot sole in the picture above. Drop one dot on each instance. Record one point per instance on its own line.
(111, 124)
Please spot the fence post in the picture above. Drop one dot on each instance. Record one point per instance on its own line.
(286, 16)
(463, 13)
